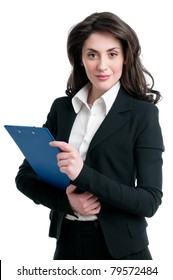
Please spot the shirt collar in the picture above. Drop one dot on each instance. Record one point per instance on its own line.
(80, 98)
(108, 97)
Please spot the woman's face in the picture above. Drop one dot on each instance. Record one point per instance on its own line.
(102, 58)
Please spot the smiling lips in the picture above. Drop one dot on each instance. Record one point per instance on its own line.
(103, 77)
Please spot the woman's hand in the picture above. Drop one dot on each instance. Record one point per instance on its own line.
(83, 203)
(69, 159)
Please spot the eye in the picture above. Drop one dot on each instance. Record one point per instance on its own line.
(91, 55)
(113, 54)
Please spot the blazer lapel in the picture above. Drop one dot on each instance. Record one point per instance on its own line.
(66, 122)
(115, 119)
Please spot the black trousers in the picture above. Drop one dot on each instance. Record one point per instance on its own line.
(85, 241)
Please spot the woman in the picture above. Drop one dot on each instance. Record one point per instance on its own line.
(108, 131)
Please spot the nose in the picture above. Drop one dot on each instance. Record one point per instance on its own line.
(102, 64)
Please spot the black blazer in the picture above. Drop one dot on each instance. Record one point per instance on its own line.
(123, 167)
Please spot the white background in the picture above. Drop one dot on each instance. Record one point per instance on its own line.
(33, 71)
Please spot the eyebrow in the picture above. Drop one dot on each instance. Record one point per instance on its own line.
(93, 50)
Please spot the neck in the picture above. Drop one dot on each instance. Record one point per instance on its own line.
(93, 96)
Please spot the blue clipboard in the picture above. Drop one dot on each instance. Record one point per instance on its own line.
(34, 144)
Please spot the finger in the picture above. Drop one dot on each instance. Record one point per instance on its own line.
(91, 198)
(90, 205)
(63, 146)
(93, 211)
(62, 162)
(66, 167)
(69, 157)
(97, 210)
(70, 189)
(62, 156)
(95, 205)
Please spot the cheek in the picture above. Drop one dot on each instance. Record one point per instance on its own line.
(118, 68)
(89, 67)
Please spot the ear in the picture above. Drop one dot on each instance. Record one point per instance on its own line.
(81, 63)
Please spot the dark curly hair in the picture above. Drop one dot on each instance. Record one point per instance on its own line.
(134, 74)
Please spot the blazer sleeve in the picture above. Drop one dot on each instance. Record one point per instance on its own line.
(145, 198)
(40, 192)
(30, 185)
